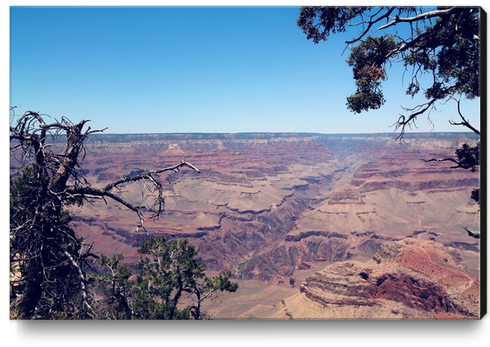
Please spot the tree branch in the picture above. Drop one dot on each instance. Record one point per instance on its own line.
(158, 206)
(403, 121)
(423, 16)
(82, 283)
(145, 174)
(464, 121)
(445, 159)
(89, 192)
(370, 23)
(472, 232)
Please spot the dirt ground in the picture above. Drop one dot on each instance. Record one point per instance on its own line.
(252, 293)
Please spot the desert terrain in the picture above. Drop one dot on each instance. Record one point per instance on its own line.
(310, 225)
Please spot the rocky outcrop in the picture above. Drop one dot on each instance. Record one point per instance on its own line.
(423, 279)
(346, 196)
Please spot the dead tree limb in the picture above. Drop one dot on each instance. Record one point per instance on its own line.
(463, 122)
(473, 233)
(422, 16)
(445, 159)
(45, 253)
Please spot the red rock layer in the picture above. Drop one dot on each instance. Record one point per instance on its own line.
(426, 278)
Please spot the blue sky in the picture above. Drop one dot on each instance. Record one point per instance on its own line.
(194, 69)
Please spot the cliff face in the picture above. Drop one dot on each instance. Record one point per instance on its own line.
(409, 279)
(267, 205)
(427, 279)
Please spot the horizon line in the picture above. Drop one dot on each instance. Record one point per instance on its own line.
(287, 132)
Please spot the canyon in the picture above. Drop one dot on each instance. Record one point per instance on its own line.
(311, 225)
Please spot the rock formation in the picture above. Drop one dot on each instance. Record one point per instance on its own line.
(268, 206)
(409, 279)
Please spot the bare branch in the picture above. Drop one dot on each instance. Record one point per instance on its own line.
(472, 232)
(145, 174)
(422, 16)
(82, 283)
(89, 192)
(364, 21)
(370, 24)
(445, 159)
(159, 203)
(403, 121)
(464, 122)
(416, 111)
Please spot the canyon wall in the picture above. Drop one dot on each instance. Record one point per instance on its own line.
(264, 204)
(268, 206)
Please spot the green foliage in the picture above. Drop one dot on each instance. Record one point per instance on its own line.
(368, 60)
(116, 286)
(167, 274)
(469, 157)
(170, 270)
(448, 50)
(475, 195)
(319, 22)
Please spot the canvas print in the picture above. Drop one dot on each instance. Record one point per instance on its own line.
(245, 163)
